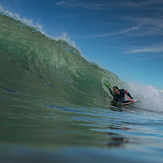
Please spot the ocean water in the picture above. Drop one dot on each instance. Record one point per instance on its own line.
(54, 106)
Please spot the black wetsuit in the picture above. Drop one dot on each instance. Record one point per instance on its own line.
(121, 96)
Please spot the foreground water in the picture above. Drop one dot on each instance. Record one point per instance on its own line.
(54, 105)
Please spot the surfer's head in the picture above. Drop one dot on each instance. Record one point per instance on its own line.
(116, 90)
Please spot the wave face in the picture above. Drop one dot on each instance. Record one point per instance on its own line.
(34, 65)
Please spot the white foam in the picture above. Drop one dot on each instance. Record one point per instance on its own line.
(151, 98)
(23, 20)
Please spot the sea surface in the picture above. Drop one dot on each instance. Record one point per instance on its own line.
(54, 106)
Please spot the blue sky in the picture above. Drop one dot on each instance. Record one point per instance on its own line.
(125, 37)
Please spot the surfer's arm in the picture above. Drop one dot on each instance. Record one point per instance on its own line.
(115, 99)
(111, 92)
(128, 94)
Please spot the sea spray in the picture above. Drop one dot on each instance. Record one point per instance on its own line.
(151, 98)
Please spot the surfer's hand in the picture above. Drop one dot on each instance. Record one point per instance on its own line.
(131, 102)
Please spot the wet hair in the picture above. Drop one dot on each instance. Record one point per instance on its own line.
(115, 87)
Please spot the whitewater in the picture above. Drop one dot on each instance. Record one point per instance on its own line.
(55, 107)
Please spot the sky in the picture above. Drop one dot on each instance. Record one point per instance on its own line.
(122, 36)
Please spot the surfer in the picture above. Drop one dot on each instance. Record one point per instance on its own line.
(119, 95)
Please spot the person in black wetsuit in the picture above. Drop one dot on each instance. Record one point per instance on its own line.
(119, 94)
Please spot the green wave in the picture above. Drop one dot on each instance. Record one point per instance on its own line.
(38, 67)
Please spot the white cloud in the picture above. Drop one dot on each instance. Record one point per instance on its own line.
(60, 3)
(156, 49)
(78, 4)
(145, 4)
(146, 53)
(112, 34)
(148, 21)
(70, 16)
(149, 58)
(150, 25)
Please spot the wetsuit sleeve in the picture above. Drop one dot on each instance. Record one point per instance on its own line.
(128, 94)
(111, 92)
(115, 99)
